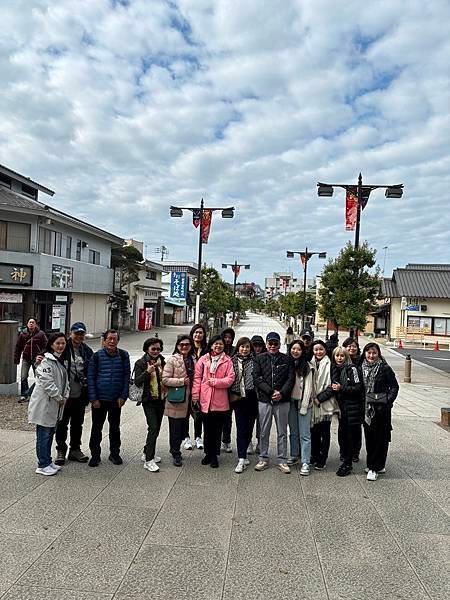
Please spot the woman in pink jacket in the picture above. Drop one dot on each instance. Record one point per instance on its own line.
(214, 374)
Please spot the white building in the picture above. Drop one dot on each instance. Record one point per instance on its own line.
(178, 282)
(285, 282)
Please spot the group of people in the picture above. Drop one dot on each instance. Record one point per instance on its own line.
(209, 381)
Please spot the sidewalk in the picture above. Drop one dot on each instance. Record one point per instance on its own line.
(125, 534)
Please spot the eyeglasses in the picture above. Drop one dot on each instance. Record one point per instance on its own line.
(155, 349)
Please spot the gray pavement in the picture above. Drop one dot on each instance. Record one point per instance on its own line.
(438, 359)
(124, 533)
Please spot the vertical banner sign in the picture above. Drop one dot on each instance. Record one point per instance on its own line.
(178, 287)
(236, 269)
(196, 217)
(206, 225)
(351, 208)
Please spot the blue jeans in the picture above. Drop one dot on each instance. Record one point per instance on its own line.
(300, 433)
(44, 440)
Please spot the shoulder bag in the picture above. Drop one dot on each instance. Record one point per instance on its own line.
(135, 392)
(176, 395)
(376, 398)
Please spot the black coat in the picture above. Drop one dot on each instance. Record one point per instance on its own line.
(142, 378)
(386, 382)
(351, 396)
(270, 374)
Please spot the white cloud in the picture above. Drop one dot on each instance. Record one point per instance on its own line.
(126, 108)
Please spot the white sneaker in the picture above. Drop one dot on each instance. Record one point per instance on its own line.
(151, 466)
(250, 448)
(143, 457)
(226, 447)
(380, 472)
(157, 459)
(262, 465)
(246, 462)
(240, 466)
(46, 470)
(199, 443)
(305, 470)
(187, 444)
(284, 468)
(55, 467)
(372, 476)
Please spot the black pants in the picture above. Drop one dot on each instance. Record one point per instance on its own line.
(197, 418)
(378, 436)
(113, 411)
(320, 442)
(213, 423)
(226, 429)
(245, 412)
(176, 433)
(73, 413)
(349, 438)
(154, 415)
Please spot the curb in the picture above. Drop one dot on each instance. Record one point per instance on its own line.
(415, 360)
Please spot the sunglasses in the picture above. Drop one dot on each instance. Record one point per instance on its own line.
(273, 343)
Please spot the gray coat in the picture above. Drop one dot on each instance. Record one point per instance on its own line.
(50, 392)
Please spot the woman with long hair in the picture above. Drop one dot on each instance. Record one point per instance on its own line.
(214, 374)
(381, 390)
(354, 351)
(198, 338)
(299, 419)
(47, 401)
(178, 375)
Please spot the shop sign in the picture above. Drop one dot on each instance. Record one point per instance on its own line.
(178, 286)
(150, 294)
(60, 298)
(117, 287)
(56, 316)
(62, 277)
(12, 274)
(11, 298)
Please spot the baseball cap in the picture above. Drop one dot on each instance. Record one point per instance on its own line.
(79, 326)
(307, 332)
(273, 335)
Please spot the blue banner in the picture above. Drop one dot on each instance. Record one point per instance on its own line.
(178, 284)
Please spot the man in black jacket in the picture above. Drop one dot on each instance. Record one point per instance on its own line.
(274, 377)
(78, 354)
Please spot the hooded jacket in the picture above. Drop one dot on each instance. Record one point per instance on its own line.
(52, 387)
(214, 396)
(350, 397)
(29, 345)
(258, 338)
(229, 350)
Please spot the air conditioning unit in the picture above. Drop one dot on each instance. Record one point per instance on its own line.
(423, 308)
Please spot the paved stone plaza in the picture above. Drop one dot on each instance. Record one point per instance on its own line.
(124, 533)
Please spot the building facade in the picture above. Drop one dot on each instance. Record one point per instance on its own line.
(53, 266)
(178, 283)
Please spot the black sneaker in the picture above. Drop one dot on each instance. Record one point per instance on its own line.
(344, 470)
(214, 464)
(60, 459)
(177, 461)
(206, 460)
(115, 459)
(355, 459)
(320, 466)
(77, 456)
(94, 461)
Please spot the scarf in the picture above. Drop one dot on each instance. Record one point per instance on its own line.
(155, 380)
(243, 367)
(322, 379)
(370, 372)
(214, 362)
(189, 365)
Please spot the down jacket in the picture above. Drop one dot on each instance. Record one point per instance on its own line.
(213, 396)
(350, 397)
(173, 376)
(273, 372)
(30, 345)
(51, 389)
(109, 376)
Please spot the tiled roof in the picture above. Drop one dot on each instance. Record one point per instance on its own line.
(9, 198)
(430, 267)
(418, 282)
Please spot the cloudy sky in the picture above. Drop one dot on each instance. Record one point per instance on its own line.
(125, 107)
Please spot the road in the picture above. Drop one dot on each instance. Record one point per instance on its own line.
(438, 359)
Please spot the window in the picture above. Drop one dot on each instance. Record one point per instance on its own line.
(29, 191)
(94, 257)
(50, 242)
(78, 252)
(5, 180)
(69, 247)
(15, 236)
(151, 275)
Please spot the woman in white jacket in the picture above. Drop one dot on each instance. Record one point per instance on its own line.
(47, 401)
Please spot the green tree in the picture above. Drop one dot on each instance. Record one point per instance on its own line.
(129, 260)
(348, 289)
(292, 304)
(216, 295)
(272, 307)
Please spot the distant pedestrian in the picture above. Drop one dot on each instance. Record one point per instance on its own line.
(289, 337)
(47, 401)
(300, 409)
(332, 343)
(307, 337)
(178, 376)
(324, 406)
(29, 345)
(352, 346)
(347, 384)
(243, 399)
(214, 374)
(77, 354)
(228, 336)
(148, 374)
(381, 389)
(108, 387)
(274, 377)
(199, 344)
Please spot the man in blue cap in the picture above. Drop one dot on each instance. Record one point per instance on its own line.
(274, 378)
(77, 354)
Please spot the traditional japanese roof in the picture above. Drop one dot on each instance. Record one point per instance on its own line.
(418, 281)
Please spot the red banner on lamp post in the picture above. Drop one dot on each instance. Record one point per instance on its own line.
(351, 209)
(206, 225)
(236, 269)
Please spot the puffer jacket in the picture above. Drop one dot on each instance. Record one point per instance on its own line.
(173, 376)
(30, 345)
(51, 389)
(273, 372)
(142, 379)
(213, 396)
(350, 397)
(109, 376)
(386, 382)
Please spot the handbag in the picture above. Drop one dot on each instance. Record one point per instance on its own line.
(135, 392)
(376, 398)
(235, 397)
(176, 395)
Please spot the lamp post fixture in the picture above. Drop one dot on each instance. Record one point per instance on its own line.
(198, 211)
(304, 256)
(362, 193)
(235, 267)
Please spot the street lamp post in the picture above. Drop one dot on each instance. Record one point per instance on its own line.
(198, 212)
(235, 267)
(362, 194)
(304, 256)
